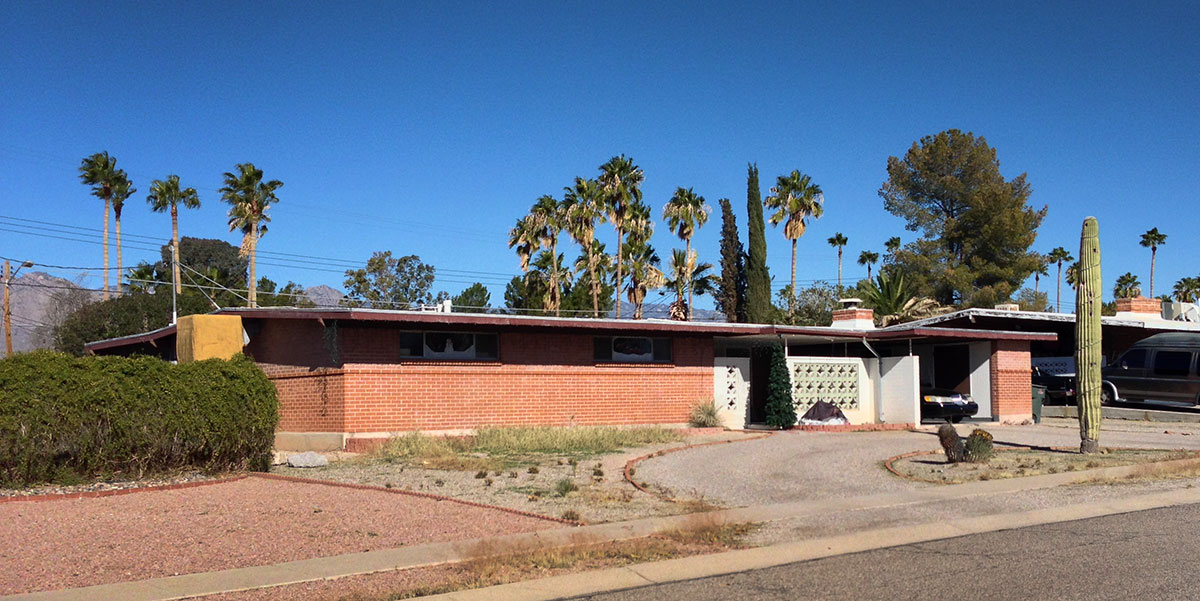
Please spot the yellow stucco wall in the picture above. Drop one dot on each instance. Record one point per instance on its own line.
(199, 337)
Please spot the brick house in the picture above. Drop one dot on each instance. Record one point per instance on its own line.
(349, 377)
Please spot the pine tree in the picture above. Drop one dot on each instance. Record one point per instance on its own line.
(758, 279)
(731, 291)
(781, 412)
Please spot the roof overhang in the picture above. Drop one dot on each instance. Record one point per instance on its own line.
(152, 337)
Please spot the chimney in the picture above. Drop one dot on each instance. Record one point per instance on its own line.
(853, 317)
(1139, 307)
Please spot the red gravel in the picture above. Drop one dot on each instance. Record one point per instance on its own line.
(255, 521)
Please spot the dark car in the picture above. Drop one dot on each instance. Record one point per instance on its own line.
(1060, 389)
(1163, 367)
(939, 403)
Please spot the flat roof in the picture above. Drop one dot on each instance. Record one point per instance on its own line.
(639, 326)
(1151, 323)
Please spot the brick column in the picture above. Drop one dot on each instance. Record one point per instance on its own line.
(1012, 386)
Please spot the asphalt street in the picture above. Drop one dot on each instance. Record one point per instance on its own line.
(1144, 555)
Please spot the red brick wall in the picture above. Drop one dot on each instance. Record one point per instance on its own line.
(541, 378)
(1012, 396)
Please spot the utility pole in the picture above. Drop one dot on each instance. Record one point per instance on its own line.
(174, 282)
(7, 315)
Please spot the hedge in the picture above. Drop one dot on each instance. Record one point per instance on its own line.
(69, 419)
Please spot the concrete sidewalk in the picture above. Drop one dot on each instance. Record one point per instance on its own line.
(191, 585)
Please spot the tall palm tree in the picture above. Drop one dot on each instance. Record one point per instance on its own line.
(687, 275)
(1059, 256)
(167, 195)
(838, 241)
(644, 274)
(1040, 270)
(249, 197)
(546, 267)
(1072, 274)
(621, 182)
(795, 198)
(525, 238)
(100, 172)
(868, 258)
(598, 264)
(121, 192)
(584, 207)
(1127, 286)
(1153, 239)
(684, 213)
(549, 217)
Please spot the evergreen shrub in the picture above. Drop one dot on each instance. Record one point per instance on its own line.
(781, 411)
(70, 419)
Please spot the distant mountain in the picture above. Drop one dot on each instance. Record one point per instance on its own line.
(324, 296)
(39, 301)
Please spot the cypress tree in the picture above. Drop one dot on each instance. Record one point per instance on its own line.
(781, 412)
(758, 279)
(731, 291)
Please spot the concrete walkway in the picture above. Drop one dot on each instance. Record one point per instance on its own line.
(178, 587)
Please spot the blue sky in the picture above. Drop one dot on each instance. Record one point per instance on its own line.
(429, 129)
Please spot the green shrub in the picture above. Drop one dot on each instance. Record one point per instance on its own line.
(64, 418)
(979, 446)
(781, 412)
(705, 415)
(565, 487)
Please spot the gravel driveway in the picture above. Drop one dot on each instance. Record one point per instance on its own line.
(254, 521)
(792, 466)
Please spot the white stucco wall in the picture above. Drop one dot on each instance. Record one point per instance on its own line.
(899, 390)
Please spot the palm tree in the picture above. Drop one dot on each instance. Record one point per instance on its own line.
(795, 198)
(584, 207)
(644, 274)
(688, 276)
(549, 217)
(1059, 256)
(598, 264)
(893, 301)
(167, 195)
(1153, 239)
(1073, 275)
(621, 182)
(546, 268)
(684, 213)
(1187, 290)
(249, 197)
(892, 245)
(121, 192)
(142, 278)
(1040, 270)
(838, 241)
(868, 258)
(100, 172)
(525, 238)
(1127, 286)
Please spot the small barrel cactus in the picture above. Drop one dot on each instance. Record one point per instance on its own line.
(979, 446)
(952, 443)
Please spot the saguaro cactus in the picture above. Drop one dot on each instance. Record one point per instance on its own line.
(1087, 337)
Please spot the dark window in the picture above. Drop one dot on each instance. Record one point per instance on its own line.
(1135, 359)
(631, 349)
(412, 344)
(449, 345)
(1172, 363)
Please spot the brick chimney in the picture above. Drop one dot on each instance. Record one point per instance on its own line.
(852, 316)
(1139, 307)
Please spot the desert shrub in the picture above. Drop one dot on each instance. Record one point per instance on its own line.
(979, 446)
(66, 418)
(705, 415)
(952, 443)
(565, 487)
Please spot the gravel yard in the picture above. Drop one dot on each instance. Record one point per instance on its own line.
(602, 494)
(254, 521)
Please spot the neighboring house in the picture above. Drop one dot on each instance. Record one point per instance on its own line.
(350, 377)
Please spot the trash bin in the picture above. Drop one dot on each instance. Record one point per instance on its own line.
(1039, 398)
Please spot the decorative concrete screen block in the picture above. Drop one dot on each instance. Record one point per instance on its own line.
(731, 390)
(834, 382)
(1055, 365)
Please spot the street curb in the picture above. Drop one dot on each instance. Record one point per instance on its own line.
(1127, 413)
(719, 564)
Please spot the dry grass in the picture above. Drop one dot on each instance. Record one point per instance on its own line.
(1032, 462)
(1151, 471)
(489, 565)
(502, 448)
